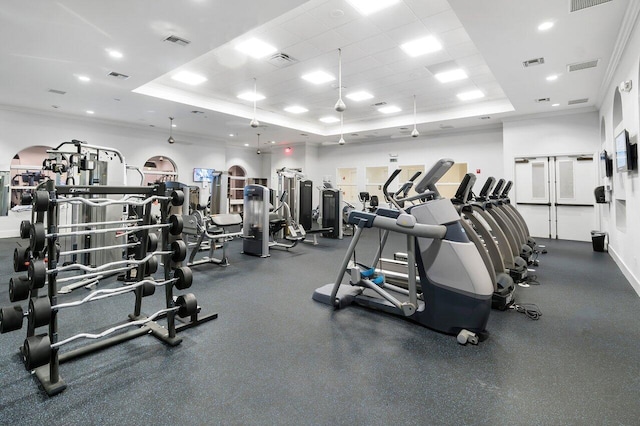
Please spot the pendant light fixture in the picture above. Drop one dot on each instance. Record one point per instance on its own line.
(258, 151)
(340, 106)
(415, 133)
(171, 139)
(254, 123)
(341, 141)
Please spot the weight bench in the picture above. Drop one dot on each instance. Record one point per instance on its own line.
(315, 232)
(214, 229)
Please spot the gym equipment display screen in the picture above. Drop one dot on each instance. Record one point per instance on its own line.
(202, 175)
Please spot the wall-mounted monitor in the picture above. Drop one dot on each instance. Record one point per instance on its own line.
(626, 153)
(621, 150)
(202, 175)
(606, 164)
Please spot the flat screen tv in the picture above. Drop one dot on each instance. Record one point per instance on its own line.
(622, 143)
(202, 175)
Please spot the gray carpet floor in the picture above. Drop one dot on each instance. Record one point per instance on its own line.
(274, 356)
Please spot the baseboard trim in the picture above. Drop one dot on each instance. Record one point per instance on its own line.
(633, 280)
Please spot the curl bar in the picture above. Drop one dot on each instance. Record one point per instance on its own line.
(36, 350)
(37, 270)
(39, 313)
(38, 235)
(41, 200)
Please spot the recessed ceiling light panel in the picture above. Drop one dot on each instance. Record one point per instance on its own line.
(251, 96)
(90, 112)
(114, 53)
(389, 109)
(421, 46)
(545, 26)
(188, 77)
(296, 109)
(318, 77)
(367, 7)
(359, 96)
(256, 48)
(452, 75)
(553, 77)
(84, 78)
(471, 95)
(329, 119)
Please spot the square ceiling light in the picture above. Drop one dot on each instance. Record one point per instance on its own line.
(367, 7)
(188, 77)
(468, 96)
(296, 109)
(318, 77)
(251, 96)
(389, 109)
(452, 75)
(255, 48)
(421, 46)
(329, 119)
(359, 96)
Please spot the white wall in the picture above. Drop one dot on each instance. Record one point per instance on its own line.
(620, 218)
(21, 129)
(480, 149)
(550, 135)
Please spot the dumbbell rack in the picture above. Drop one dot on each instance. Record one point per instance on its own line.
(48, 209)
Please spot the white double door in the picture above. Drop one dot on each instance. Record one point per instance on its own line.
(555, 195)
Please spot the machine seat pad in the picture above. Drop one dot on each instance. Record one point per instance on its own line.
(226, 219)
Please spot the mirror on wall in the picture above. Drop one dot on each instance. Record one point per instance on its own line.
(237, 179)
(159, 169)
(5, 180)
(26, 173)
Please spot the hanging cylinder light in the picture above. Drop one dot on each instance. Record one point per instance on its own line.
(415, 133)
(171, 140)
(341, 140)
(340, 105)
(258, 151)
(254, 123)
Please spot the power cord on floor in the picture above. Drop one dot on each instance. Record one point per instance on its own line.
(529, 309)
(532, 280)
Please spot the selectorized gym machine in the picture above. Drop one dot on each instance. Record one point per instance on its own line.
(456, 288)
(263, 228)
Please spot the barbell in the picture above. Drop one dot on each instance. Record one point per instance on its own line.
(36, 350)
(41, 200)
(38, 234)
(39, 313)
(37, 269)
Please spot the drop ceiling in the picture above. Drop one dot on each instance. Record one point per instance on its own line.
(49, 44)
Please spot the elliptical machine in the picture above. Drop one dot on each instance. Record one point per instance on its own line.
(456, 288)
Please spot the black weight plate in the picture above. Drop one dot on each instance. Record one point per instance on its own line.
(184, 277)
(11, 319)
(188, 305)
(178, 251)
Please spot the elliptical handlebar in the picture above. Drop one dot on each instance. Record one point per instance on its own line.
(385, 189)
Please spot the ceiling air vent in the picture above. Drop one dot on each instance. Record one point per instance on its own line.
(177, 40)
(540, 100)
(281, 60)
(443, 126)
(584, 4)
(532, 62)
(582, 65)
(379, 104)
(57, 92)
(195, 111)
(578, 101)
(118, 75)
